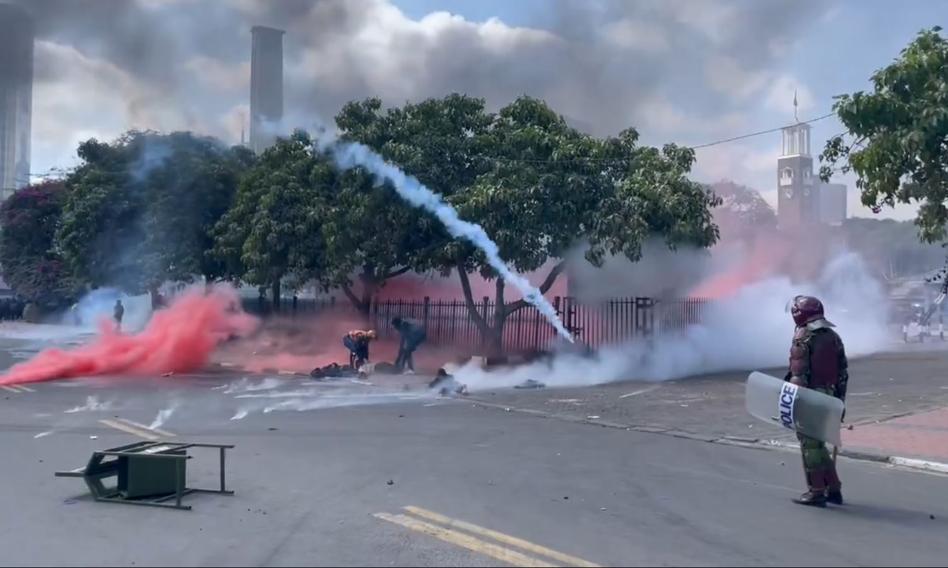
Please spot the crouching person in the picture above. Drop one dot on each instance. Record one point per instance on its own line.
(412, 335)
(357, 342)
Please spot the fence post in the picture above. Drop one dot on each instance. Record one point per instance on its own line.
(536, 328)
(486, 322)
(425, 310)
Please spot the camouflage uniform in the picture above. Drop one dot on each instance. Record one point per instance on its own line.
(818, 361)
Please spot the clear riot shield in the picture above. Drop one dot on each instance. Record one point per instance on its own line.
(803, 410)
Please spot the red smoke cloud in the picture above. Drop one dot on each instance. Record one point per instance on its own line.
(179, 339)
(799, 255)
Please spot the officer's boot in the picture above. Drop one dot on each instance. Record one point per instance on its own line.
(834, 492)
(816, 496)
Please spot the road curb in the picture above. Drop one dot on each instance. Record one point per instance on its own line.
(736, 441)
(923, 465)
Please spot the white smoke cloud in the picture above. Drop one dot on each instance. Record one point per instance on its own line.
(93, 404)
(99, 305)
(749, 330)
(163, 415)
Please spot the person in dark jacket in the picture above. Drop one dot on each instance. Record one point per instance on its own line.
(412, 335)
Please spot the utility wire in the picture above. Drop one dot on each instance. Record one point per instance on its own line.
(752, 134)
(56, 172)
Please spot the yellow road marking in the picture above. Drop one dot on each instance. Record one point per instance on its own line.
(147, 428)
(464, 541)
(500, 537)
(9, 389)
(24, 388)
(131, 430)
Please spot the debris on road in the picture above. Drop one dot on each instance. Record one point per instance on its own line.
(390, 482)
(333, 371)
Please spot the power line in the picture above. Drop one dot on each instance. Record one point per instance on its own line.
(752, 134)
(56, 172)
(696, 147)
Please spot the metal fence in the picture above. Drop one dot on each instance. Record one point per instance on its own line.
(526, 330)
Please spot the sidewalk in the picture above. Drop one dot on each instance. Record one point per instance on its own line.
(897, 406)
(918, 436)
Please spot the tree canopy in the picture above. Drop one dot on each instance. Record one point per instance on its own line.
(273, 229)
(536, 185)
(139, 210)
(899, 135)
(31, 265)
(742, 211)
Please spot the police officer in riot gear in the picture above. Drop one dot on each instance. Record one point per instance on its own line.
(817, 361)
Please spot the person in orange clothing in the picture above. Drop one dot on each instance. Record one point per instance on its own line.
(357, 342)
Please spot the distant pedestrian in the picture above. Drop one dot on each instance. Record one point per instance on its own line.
(118, 313)
(412, 335)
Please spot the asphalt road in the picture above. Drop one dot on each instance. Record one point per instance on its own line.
(312, 486)
(912, 379)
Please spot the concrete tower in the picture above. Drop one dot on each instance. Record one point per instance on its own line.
(16, 98)
(266, 86)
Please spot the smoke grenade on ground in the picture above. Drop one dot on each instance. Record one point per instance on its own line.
(179, 339)
(350, 155)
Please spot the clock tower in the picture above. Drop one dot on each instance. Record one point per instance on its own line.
(798, 198)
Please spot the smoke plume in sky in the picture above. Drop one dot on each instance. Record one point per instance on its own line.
(679, 70)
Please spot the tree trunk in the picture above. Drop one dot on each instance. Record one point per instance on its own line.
(362, 303)
(369, 288)
(472, 308)
(495, 332)
(275, 293)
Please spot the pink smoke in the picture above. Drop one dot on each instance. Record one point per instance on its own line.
(179, 339)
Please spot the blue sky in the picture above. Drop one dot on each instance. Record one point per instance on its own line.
(685, 71)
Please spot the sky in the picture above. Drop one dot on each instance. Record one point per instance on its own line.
(683, 71)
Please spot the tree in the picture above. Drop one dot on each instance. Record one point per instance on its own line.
(899, 147)
(30, 264)
(435, 140)
(891, 248)
(742, 211)
(274, 229)
(140, 210)
(538, 187)
(187, 194)
(99, 237)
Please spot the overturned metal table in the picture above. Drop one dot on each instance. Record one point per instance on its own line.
(147, 473)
